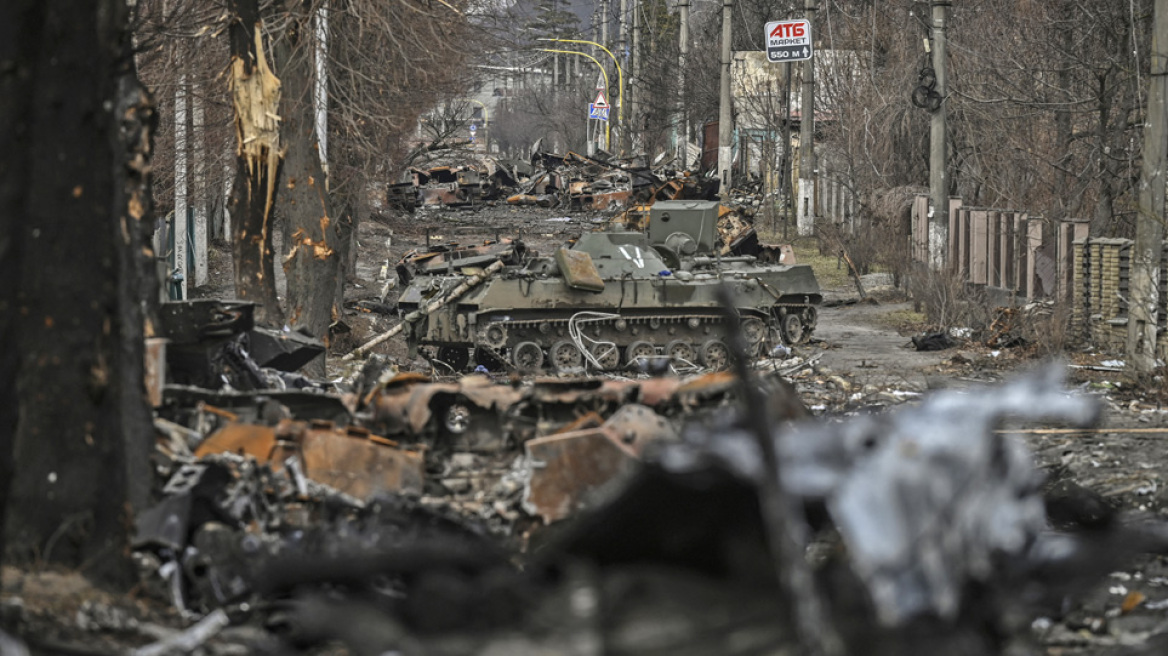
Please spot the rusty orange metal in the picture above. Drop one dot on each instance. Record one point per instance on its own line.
(571, 468)
(657, 391)
(634, 426)
(352, 460)
(259, 442)
(358, 466)
(589, 420)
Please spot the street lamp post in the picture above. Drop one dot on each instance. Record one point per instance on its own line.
(620, 78)
(602, 72)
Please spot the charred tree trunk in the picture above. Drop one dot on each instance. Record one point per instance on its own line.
(255, 94)
(349, 204)
(75, 192)
(313, 260)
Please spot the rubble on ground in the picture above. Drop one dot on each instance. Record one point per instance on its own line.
(572, 182)
(927, 527)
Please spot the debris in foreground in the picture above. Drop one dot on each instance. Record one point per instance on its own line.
(928, 535)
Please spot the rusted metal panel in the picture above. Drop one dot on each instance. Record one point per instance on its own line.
(351, 460)
(570, 469)
(253, 440)
(567, 469)
(657, 391)
(442, 194)
(486, 394)
(598, 200)
(634, 426)
(466, 415)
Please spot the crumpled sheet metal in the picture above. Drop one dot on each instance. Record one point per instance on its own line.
(359, 463)
(925, 498)
(566, 468)
(351, 459)
(570, 469)
(409, 400)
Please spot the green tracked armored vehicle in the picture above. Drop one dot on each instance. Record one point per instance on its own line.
(609, 301)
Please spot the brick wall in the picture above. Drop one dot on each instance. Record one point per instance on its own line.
(1101, 288)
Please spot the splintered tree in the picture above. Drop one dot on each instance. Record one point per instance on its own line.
(255, 95)
(74, 207)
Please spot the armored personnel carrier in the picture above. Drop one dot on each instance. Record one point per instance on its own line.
(607, 301)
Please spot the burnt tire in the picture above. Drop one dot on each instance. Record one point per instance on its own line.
(715, 354)
(527, 357)
(791, 327)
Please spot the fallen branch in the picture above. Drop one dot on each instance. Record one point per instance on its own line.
(1071, 431)
(189, 640)
(464, 287)
(855, 272)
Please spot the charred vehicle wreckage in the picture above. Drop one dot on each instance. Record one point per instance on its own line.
(611, 299)
(571, 181)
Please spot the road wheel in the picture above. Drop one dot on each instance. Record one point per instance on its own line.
(495, 336)
(639, 351)
(565, 356)
(681, 351)
(810, 320)
(754, 330)
(527, 357)
(607, 354)
(792, 329)
(715, 354)
(455, 356)
(485, 357)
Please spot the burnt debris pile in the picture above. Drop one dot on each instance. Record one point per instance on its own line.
(397, 513)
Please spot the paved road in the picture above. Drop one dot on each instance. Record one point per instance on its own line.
(855, 342)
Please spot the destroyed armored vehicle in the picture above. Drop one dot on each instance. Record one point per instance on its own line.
(610, 300)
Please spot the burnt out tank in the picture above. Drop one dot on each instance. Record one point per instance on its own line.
(608, 301)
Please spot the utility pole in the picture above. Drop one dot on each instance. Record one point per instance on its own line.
(199, 197)
(637, 87)
(604, 22)
(938, 151)
(624, 56)
(1144, 320)
(806, 207)
(725, 114)
(788, 184)
(682, 52)
(180, 184)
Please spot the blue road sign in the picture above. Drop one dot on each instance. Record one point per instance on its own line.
(599, 113)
